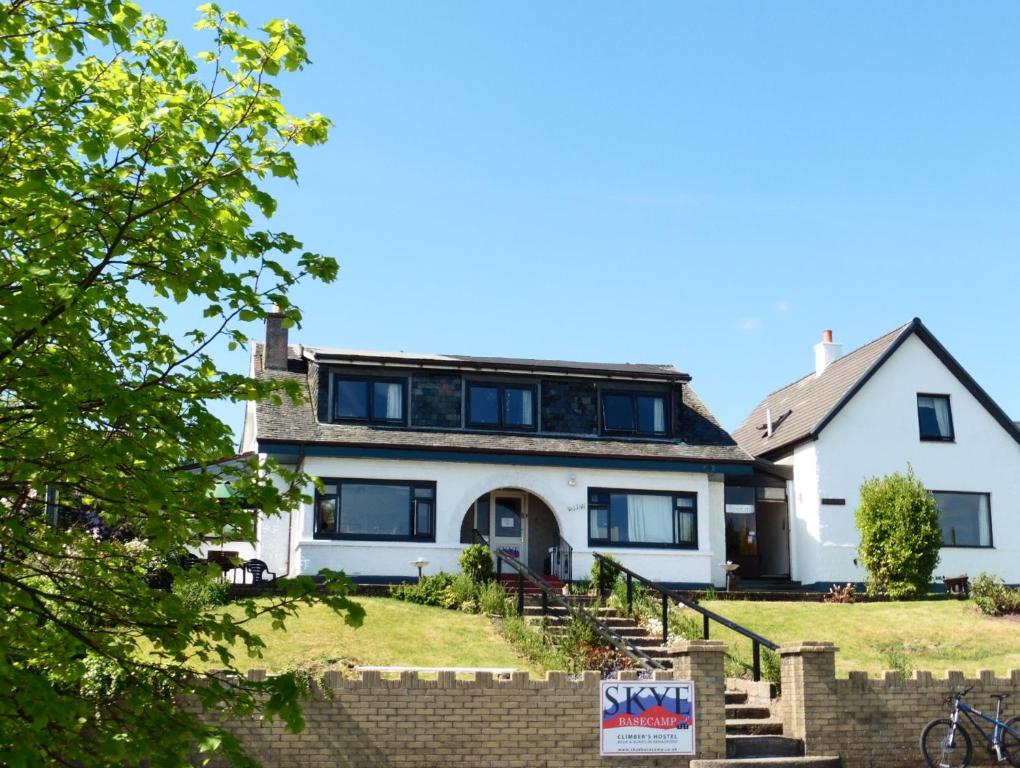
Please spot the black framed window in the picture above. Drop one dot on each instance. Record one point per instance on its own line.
(642, 518)
(966, 518)
(372, 400)
(376, 510)
(934, 417)
(501, 406)
(634, 413)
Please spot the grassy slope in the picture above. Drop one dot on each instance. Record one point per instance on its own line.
(394, 633)
(936, 635)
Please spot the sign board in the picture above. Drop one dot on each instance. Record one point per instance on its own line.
(645, 717)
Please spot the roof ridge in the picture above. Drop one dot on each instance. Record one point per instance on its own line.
(841, 358)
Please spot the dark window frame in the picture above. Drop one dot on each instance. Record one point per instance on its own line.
(634, 394)
(412, 511)
(501, 387)
(607, 542)
(951, 437)
(991, 531)
(370, 381)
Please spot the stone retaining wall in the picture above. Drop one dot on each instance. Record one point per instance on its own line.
(874, 722)
(482, 721)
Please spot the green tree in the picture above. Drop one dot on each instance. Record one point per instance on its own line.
(131, 174)
(898, 520)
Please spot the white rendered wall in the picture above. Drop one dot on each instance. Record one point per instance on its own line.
(877, 434)
(459, 485)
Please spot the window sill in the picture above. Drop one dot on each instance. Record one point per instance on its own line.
(968, 546)
(938, 439)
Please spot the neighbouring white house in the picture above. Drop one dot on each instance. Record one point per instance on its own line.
(897, 401)
(549, 460)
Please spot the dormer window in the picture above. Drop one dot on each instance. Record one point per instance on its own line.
(934, 417)
(371, 400)
(501, 406)
(634, 413)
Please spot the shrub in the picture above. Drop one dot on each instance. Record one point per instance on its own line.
(604, 574)
(199, 590)
(993, 597)
(429, 591)
(462, 593)
(900, 535)
(476, 562)
(493, 600)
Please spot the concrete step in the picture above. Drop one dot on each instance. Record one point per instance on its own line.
(736, 697)
(747, 712)
(770, 762)
(763, 746)
(754, 727)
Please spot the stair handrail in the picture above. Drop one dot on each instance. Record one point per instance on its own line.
(550, 595)
(707, 615)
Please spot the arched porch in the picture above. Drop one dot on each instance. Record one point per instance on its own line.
(519, 523)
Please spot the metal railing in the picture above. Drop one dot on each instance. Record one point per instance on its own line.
(666, 594)
(562, 560)
(551, 596)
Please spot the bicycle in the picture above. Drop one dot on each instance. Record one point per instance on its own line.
(945, 743)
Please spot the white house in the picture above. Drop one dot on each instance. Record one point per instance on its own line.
(544, 458)
(899, 400)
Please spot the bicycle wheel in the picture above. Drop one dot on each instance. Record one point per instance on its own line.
(944, 746)
(1011, 741)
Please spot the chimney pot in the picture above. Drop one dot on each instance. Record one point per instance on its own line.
(827, 336)
(274, 355)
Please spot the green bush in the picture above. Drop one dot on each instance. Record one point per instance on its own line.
(604, 575)
(993, 597)
(462, 594)
(476, 562)
(199, 590)
(772, 668)
(492, 599)
(431, 590)
(900, 535)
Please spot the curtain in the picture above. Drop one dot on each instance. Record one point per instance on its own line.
(941, 408)
(394, 401)
(650, 519)
(660, 415)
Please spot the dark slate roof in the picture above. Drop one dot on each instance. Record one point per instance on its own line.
(626, 370)
(802, 409)
(297, 423)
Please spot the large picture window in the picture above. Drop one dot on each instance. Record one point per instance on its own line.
(376, 510)
(642, 518)
(966, 518)
(501, 406)
(634, 413)
(934, 417)
(372, 400)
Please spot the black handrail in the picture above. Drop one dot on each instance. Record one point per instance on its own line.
(668, 594)
(550, 595)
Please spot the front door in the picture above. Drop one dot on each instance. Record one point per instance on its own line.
(509, 524)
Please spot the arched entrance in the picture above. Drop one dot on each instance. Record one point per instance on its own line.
(518, 523)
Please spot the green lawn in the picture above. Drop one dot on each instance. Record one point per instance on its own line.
(935, 635)
(394, 633)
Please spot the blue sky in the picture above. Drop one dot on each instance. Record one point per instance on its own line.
(704, 184)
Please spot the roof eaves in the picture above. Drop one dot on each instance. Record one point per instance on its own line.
(967, 380)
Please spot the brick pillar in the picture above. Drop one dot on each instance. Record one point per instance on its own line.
(702, 662)
(809, 705)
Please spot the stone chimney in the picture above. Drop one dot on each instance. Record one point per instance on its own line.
(274, 355)
(826, 351)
